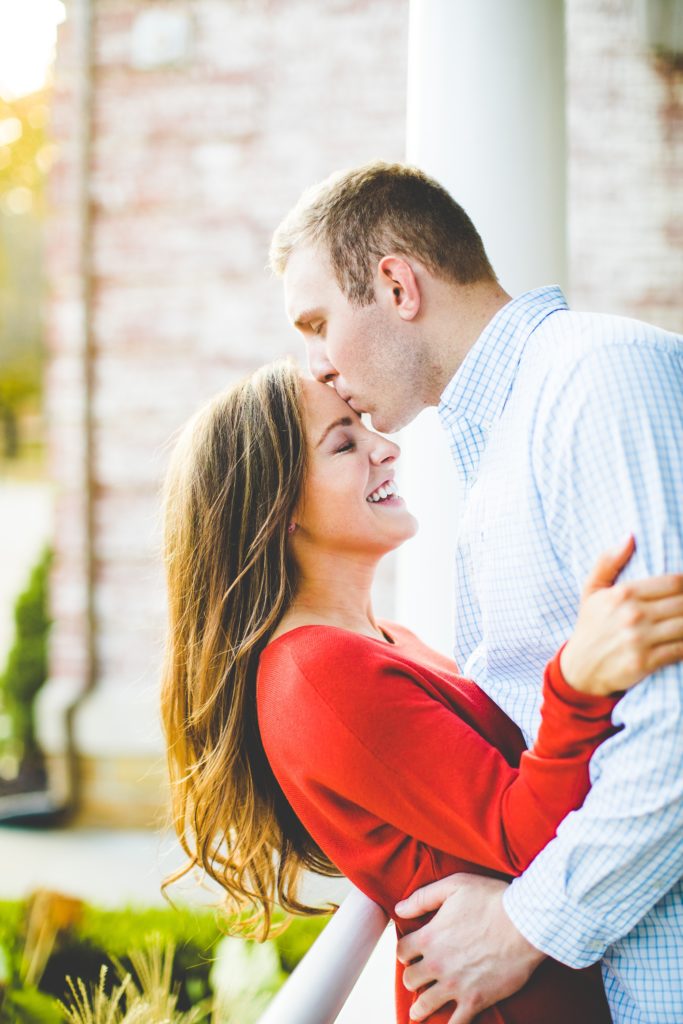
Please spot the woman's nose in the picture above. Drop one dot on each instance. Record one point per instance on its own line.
(384, 450)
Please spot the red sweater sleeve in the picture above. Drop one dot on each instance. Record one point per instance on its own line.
(366, 733)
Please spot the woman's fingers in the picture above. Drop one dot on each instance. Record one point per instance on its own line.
(665, 631)
(653, 588)
(624, 631)
(608, 566)
(665, 654)
(650, 646)
(664, 608)
(646, 658)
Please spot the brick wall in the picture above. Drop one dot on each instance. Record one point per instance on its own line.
(192, 167)
(625, 122)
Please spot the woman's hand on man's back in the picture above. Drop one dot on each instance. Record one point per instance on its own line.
(624, 631)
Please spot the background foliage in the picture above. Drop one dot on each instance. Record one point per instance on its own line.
(78, 940)
(24, 674)
(25, 156)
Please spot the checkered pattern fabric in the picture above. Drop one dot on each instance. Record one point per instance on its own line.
(567, 431)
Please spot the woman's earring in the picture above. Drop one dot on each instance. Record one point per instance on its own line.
(291, 528)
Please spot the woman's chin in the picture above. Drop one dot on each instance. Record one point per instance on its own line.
(402, 532)
(412, 526)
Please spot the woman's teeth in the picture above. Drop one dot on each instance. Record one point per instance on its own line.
(385, 491)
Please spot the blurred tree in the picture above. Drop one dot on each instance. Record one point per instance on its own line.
(24, 152)
(25, 156)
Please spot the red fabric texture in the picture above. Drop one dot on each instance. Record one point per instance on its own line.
(404, 772)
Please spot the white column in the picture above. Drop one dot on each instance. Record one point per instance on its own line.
(486, 119)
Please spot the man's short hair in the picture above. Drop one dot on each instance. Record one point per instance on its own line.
(360, 215)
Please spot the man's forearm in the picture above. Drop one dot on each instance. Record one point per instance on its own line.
(622, 851)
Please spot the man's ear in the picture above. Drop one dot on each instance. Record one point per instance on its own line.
(398, 286)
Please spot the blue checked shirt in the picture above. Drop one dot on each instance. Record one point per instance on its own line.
(567, 431)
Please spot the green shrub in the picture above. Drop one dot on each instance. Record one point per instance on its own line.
(103, 934)
(99, 938)
(294, 943)
(26, 669)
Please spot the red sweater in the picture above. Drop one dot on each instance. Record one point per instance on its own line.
(404, 772)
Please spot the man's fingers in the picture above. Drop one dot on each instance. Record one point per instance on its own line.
(428, 1002)
(408, 948)
(417, 975)
(429, 898)
(462, 1015)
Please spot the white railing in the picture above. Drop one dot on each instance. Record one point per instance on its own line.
(317, 989)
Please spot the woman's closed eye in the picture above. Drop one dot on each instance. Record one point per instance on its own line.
(347, 446)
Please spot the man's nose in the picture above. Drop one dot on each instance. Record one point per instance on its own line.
(319, 365)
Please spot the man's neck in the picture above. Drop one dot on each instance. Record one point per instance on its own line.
(464, 311)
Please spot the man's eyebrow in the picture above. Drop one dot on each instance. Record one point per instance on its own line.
(343, 421)
(305, 318)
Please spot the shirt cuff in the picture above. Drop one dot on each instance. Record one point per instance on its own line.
(551, 922)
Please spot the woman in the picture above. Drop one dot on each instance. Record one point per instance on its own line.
(303, 733)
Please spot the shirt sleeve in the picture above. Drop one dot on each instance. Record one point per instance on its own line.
(376, 737)
(609, 461)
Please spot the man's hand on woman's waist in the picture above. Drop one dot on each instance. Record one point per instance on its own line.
(470, 952)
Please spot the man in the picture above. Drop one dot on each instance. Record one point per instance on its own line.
(567, 430)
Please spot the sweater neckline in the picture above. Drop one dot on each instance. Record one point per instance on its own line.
(390, 641)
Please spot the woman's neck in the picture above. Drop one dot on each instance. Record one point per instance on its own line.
(335, 592)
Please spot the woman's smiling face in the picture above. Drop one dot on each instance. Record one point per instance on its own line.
(349, 503)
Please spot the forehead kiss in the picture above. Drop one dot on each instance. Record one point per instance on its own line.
(324, 410)
(372, 351)
(336, 333)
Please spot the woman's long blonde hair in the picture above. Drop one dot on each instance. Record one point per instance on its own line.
(232, 486)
